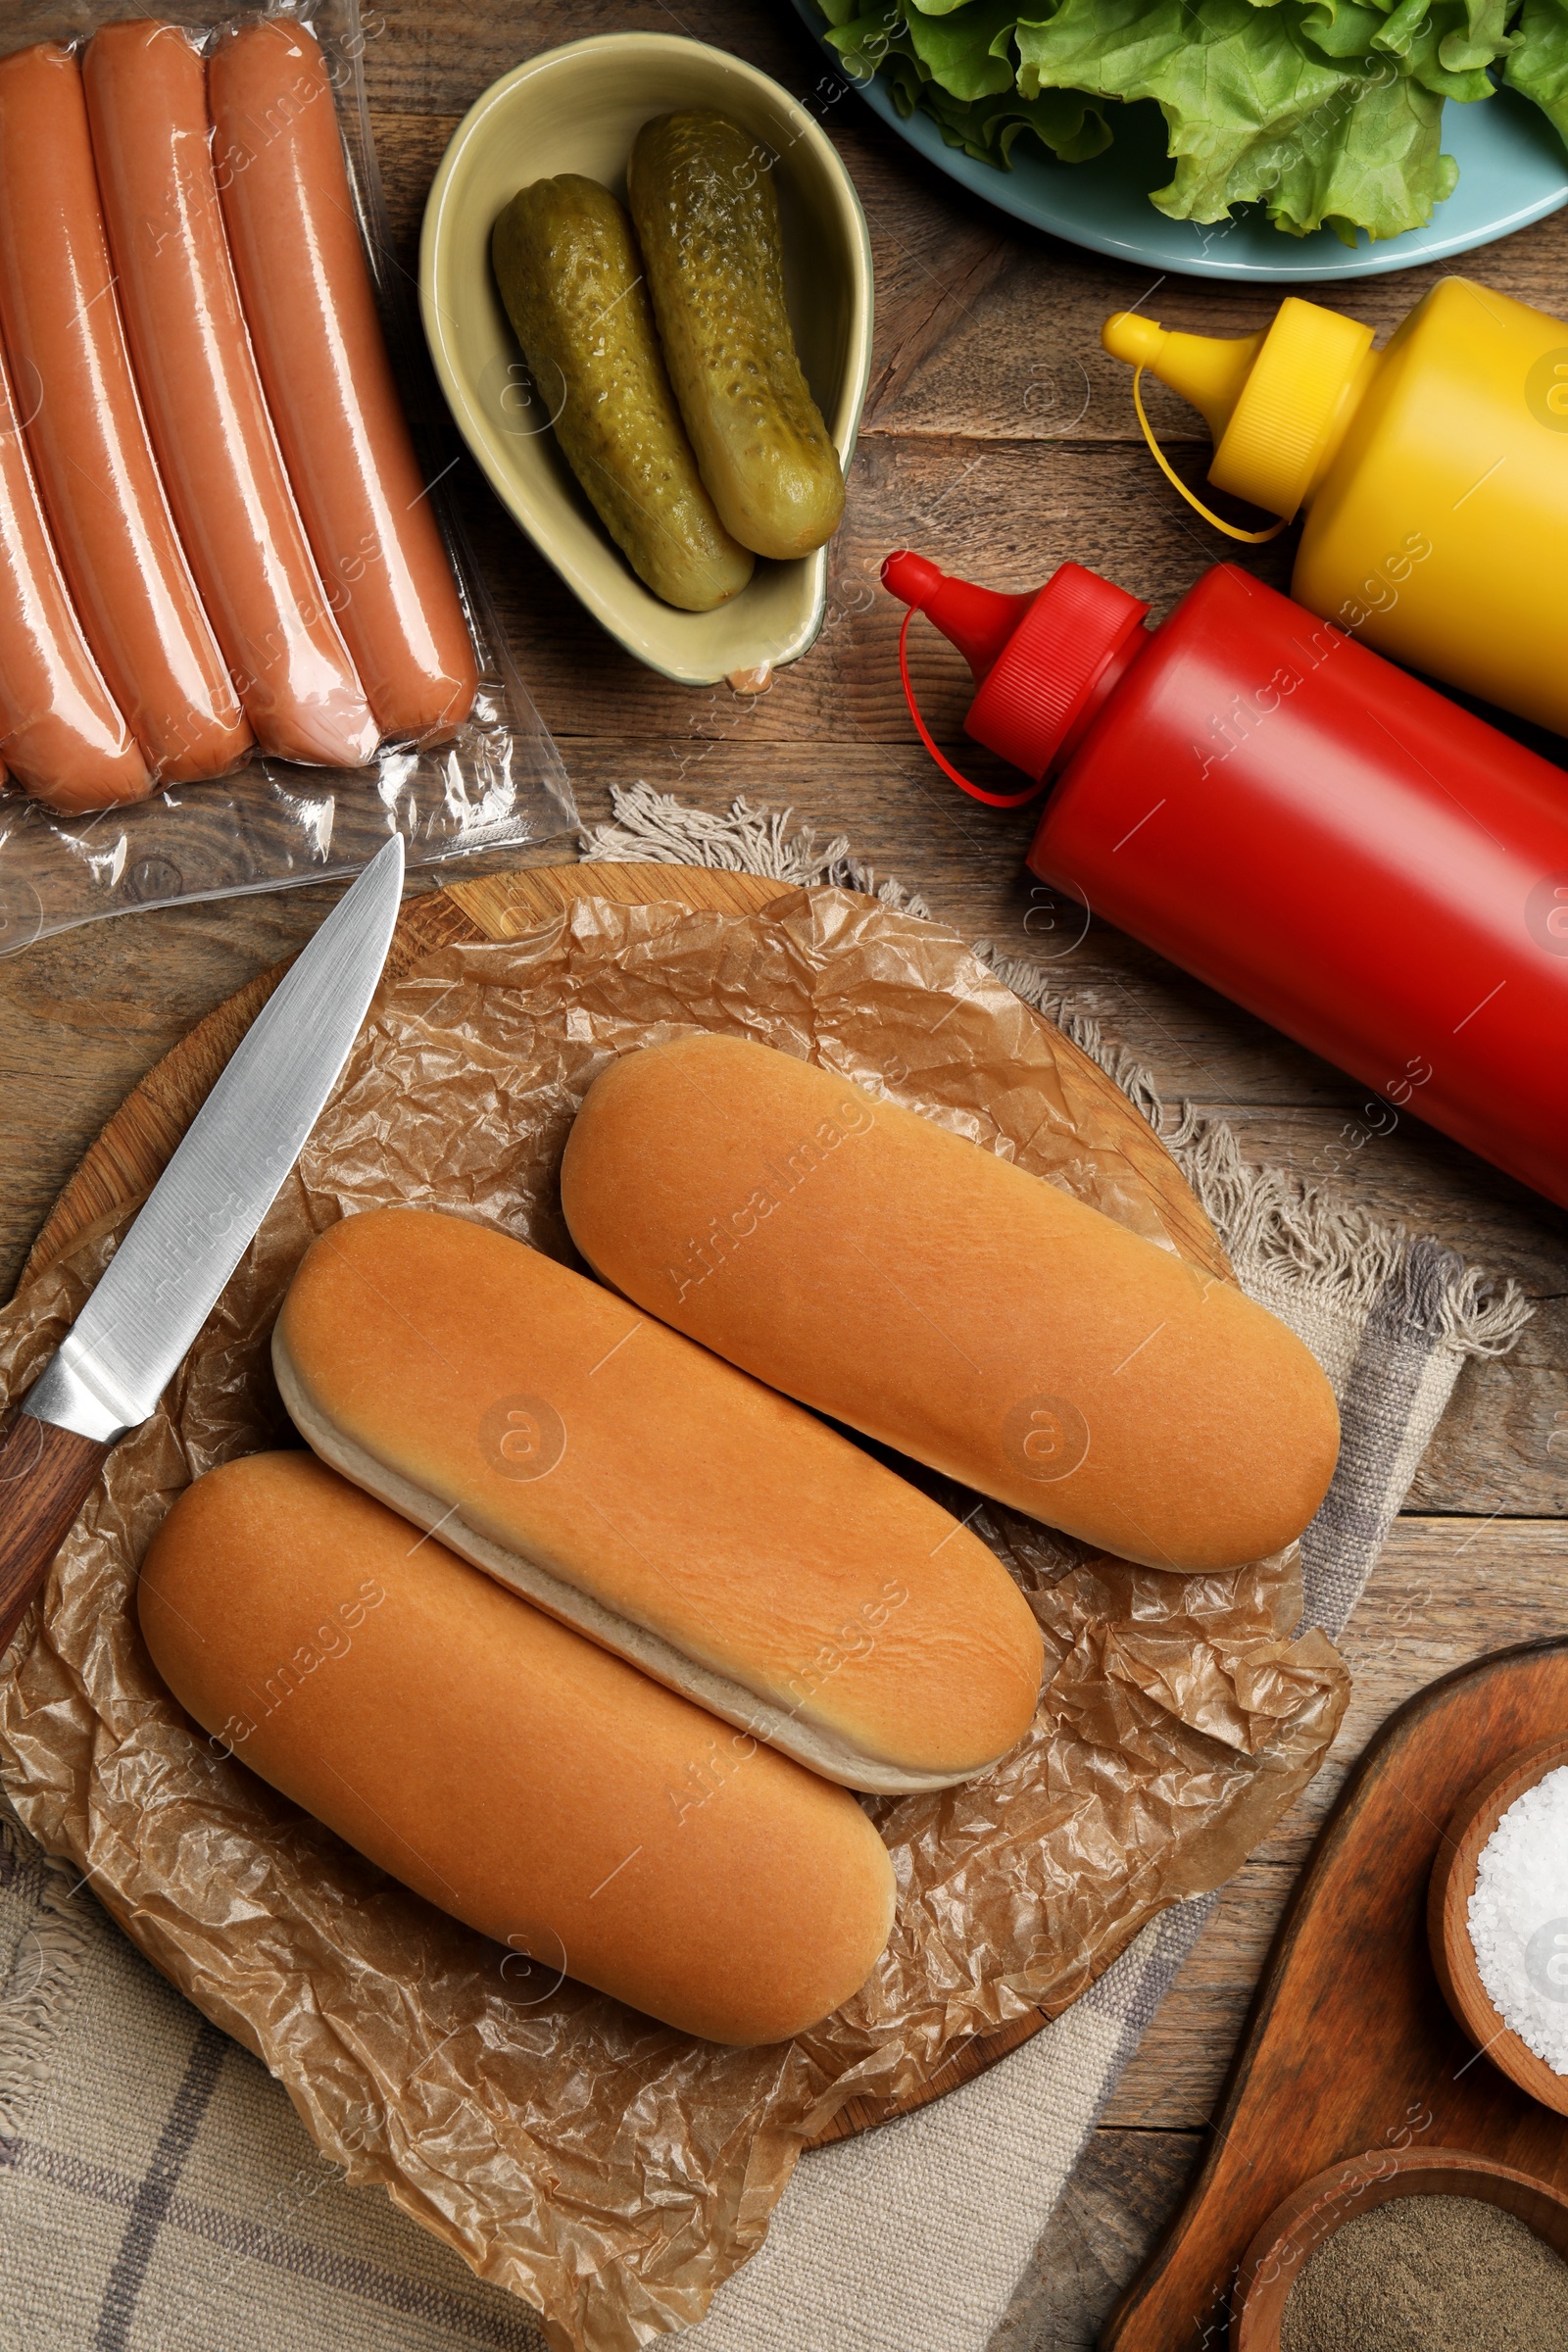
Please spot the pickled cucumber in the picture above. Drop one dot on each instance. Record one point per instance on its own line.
(571, 280)
(707, 219)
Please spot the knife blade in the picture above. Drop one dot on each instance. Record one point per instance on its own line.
(192, 1232)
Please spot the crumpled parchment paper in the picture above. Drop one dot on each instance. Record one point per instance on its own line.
(610, 2170)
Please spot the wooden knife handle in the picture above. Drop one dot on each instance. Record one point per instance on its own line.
(46, 1475)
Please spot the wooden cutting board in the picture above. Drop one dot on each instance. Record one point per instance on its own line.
(1349, 2046)
(131, 1153)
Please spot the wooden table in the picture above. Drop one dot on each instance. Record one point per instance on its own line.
(1000, 440)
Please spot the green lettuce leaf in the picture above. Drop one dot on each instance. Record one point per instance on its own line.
(1071, 127)
(1327, 111)
(1538, 64)
(967, 50)
(960, 70)
(1448, 46)
(1372, 160)
(1254, 110)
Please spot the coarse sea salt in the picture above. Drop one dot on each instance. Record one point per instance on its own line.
(1519, 1918)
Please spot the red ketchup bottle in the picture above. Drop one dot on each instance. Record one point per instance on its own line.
(1298, 824)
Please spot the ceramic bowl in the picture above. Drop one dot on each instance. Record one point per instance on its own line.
(1512, 170)
(1453, 1883)
(577, 109)
(1274, 2260)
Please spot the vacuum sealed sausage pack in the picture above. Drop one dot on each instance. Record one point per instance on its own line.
(242, 639)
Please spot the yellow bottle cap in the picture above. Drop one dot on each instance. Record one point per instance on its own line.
(1274, 402)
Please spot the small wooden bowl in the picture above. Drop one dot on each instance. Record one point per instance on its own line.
(1453, 1881)
(1274, 2260)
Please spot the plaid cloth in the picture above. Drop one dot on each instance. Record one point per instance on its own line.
(159, 2192)
(160, 2195)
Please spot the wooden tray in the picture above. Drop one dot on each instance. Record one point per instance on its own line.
(1350, 2045)
(129, 1154)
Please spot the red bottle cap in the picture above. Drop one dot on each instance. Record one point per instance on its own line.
(1037, 660)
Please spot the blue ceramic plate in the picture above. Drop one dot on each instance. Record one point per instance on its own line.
(1513, 168)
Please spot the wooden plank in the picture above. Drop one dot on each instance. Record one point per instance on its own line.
(1005, 512)
(436, 55)
(1126, 2188)
(1426, 1582)
(130, 1152)
(978, 435)
(1351, 2046)
(985, 337)
(433, 58)
(1444, 1593)
(1503, 1445)
(987, 330)
(84, 1016)
(130, 1149)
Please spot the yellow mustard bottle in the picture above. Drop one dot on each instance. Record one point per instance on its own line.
(1433, 474)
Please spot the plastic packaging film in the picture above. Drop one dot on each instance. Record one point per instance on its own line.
(610, 2170)
(229, 520)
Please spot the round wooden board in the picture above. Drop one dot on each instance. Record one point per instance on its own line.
(131, 1153)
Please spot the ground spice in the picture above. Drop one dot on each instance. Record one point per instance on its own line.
(1430, 2275)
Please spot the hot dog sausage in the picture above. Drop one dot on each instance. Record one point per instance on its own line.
(127, 575)
(146, 88)
(312, 314)
(64, 740)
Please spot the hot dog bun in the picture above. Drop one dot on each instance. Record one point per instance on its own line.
(506, 1770)
(644, 1492)
(926, 1291)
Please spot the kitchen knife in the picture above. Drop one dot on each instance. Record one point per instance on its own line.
(190, 1234)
